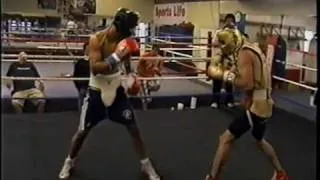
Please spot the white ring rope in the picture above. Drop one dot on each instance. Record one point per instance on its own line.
(172, 42)
(73, 60)
(59, 47)
(177, 53)
(88, 35)
(143, 78)
(186, 57)
(296, 65)
(295, 83)
(42, 56)
(86, 79)
(64, 59)
(80, 48)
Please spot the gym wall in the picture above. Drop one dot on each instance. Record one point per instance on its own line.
(271, 7)
(296, 13)
(144, 7)
(27, 7)
(103, 7)
(206, 14)
(201, 14)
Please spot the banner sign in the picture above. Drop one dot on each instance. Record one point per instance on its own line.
(170, 13)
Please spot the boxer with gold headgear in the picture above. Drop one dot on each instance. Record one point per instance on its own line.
(223, 59)
(251, 74)
(230, 43)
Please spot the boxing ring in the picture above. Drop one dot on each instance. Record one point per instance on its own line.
(181, 142)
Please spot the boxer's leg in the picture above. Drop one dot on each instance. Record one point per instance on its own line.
(217, 85)
(92, 112)
(229, 95)
(258, 131)
(235, 130)
(144, 95)
(82, 95)
(122, 112)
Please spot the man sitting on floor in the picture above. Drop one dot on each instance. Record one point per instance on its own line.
(23, 89)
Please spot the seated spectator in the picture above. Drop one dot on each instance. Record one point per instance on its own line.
(71, 26)
(23, 89)
(82, 70)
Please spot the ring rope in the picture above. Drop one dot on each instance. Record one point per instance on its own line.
(86, 79)
(73, 60)
(295, 83)
(192, 67)
(169, 42)
(166, 59)
(35, 40)
(60, 47)
(134, 57)
(39, 40)
(86, 35)
(143, 78)
(80, 48)
(275, 77)
(296, 65)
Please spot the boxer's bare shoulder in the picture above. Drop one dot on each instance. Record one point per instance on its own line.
(98, 38)
(100, 42)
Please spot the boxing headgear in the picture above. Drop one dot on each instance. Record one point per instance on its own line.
(125, 21)
(230, 40)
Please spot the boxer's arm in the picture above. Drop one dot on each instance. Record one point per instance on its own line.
(161, 64)
(127, 66)
(97, 65)
(159, 68)
(215, 42)
(244, 78)
(141, 67)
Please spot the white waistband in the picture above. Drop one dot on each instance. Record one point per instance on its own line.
(107, 76)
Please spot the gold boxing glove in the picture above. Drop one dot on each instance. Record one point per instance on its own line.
(215, 72)
(216, 60)
(219, 73)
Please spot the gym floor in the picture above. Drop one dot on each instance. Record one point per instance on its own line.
(182, 144)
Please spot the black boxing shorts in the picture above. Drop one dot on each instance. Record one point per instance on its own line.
(247, 121)
(94, 111)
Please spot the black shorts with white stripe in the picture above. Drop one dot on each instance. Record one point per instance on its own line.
(94, 111)
(245, 122)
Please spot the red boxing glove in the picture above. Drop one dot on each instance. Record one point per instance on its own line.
(128, 46)
(134, 86)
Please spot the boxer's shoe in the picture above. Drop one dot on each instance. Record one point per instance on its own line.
(230, 105)
(67, 167)
(214, 105)
(148, 170)
(209, 177)
(280, 176)
(149, 100)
